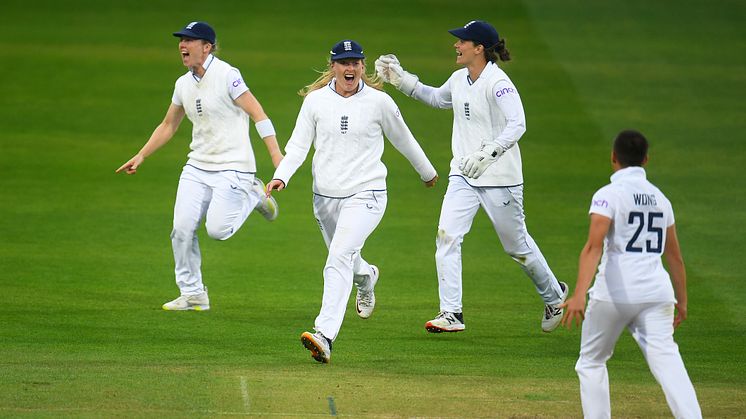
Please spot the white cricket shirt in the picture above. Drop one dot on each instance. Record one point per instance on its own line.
(347, 134)
(486, 110)
(220, 132)
(631, 270)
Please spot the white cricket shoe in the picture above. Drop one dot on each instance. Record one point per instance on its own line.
(199, 302)
(446, 322)
(266, 206)
(319, 345)
(365, 301)
(553, 313)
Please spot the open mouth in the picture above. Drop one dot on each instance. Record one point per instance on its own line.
(184, 53)
(349, 77)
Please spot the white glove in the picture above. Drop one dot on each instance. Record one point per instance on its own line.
(476, 163)
(391, 71)
(382, 69)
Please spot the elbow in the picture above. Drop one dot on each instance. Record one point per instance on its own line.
(675, 261)
(592, 250)
(520, 129)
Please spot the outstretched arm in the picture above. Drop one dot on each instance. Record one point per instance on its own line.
(589, 258)
(401, 137)
(263, 125)
(160, 136)
(391, 71)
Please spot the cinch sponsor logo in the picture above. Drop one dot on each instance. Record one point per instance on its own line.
(237, 82)
(600, 203)
(504, 91)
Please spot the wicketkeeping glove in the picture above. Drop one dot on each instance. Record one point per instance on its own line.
(391, 71)
(476, 163)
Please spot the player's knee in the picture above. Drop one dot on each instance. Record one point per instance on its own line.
(446, 241)
(523, 259)
(585, 364)
(338, 261)
(218, 231)
(182, 232)
(341, 255)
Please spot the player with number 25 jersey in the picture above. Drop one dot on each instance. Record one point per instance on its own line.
(631, 229)
(631, 270)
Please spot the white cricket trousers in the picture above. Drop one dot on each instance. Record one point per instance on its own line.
(225, 198)
(504, 207)
(345, 224)
(651, 325)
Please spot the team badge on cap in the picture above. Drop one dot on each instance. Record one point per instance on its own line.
(197, 30)
(346, 49)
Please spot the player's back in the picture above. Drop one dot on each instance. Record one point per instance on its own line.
(631, 270)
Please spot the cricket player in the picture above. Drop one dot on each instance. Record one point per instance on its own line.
(218, 181)
(345, 116)
(488, 121)
(632, 225)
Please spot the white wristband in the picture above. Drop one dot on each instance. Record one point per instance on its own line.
(265, 128)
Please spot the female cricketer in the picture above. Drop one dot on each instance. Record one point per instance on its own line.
(345, 116)
(218, 182)
(632, 226)
(486, 171)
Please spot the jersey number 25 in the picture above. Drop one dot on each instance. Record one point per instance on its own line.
(651, 246)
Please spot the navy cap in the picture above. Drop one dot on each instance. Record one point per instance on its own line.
(478, 31)
(346, 49)
(198, 30)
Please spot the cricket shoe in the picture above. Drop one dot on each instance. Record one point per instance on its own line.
(553, 313)
(266, 206)
(319, 345)
(446, 322)
(199, 302)
(365, 301)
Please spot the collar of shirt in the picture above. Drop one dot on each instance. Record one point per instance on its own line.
(632, 171)
(333, 82)
(489, 68)
(205, 65)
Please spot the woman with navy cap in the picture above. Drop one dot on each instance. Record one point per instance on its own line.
(488, 121)
(345, 116)
(218, 182)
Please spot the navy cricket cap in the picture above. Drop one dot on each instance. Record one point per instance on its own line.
(198, 30)
(478, 31)
(346, 49)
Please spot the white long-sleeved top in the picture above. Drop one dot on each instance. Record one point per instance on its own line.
(220, 132)
(488, 110)
(347, 134)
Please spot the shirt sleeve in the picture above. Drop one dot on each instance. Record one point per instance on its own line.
(401, 137)
(669, 210)
(298, 145)
(236, 85)
(602, 203)
(507, 99)
(176, 98)
(437, 97)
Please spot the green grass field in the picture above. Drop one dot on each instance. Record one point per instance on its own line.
(85, 257)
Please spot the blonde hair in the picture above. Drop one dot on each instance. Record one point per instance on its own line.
(327, 75)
